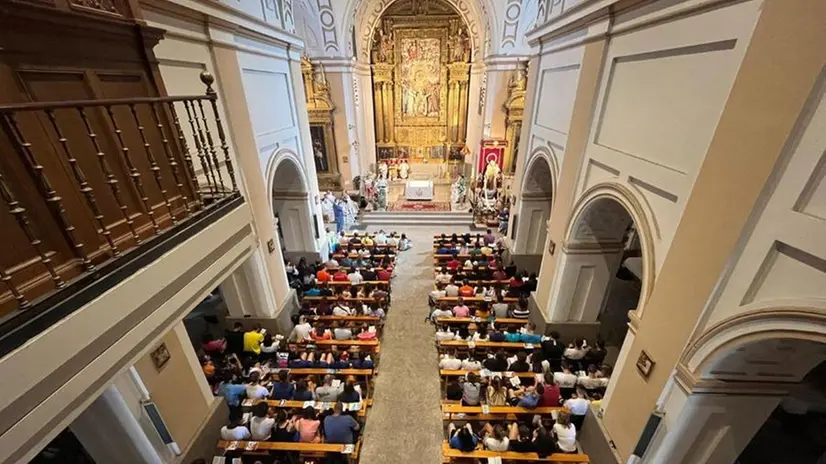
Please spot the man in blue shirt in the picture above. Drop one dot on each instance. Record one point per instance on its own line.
(233, 393)
(340, 428)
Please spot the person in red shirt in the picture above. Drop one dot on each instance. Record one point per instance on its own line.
(382, 274)
(454, 264)
(322, 275)
(499, 275)
(340, 276)
(516, 283)
(466, 290)
(550, 395)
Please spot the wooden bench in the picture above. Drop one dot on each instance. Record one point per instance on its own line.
(468, 320)
(483, 283)
(473, 300)
(368, 319)
(452, 454)
(347, 283)
(365, 405)
(305, 449)
(496, 413)
(490, 346)
(332, 299)
(339, 255)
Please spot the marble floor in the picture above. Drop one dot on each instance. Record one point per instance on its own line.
(405, 423)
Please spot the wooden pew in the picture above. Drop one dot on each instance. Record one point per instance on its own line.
(458, 412)
(468, 320)
(451, 454)
(475, 283)
(365, 405)
(308, 449)
(368, 319)
(332, 299)
(452, 300)
(347, 283)
(338, 255)
(488, 346)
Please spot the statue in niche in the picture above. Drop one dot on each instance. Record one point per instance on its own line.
(460, 46)
(384, 46)
(320, 157)
(383, 168)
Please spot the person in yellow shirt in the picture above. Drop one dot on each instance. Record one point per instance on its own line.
(253, 339)
(367, 241)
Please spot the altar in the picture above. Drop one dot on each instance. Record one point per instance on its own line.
(419, 190)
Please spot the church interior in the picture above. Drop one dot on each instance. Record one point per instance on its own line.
(413, 231)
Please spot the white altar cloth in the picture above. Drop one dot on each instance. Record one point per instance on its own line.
(419, 190)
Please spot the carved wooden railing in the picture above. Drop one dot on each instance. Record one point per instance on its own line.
(86, 182)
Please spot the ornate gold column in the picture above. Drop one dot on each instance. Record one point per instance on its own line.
(459, 78)
(382, 83)
(514, 108)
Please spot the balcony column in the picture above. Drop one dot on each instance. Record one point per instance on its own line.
(265, 269)
(110, 433)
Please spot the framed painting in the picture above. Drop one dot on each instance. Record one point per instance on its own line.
(160, 356)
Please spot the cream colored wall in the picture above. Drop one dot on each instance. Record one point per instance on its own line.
(79, 356)
(344, 135)
(774, 81)
(175, 389)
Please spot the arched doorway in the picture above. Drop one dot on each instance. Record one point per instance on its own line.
(605, 266)
(290, 205)
(534, 209)
(420, 57)
(751, 390)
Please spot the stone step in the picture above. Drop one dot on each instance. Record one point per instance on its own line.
(423, 216)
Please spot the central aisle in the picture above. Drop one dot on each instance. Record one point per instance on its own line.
(405, 422)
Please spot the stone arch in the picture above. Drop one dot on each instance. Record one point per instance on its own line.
(365, 15)
(536, 196)
(637, 211)
(289, 197)
(790, 334)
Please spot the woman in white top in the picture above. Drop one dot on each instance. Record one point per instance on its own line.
(235, 431)
(261, 424)
(495, 438)
(255, 390)
(450, 362)
(443, 333)
(565, 433)
(565, 379)
(471, 364)
(576, 351)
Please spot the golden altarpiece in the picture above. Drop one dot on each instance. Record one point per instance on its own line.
(514, 109)
(421, 73)
(320, 110)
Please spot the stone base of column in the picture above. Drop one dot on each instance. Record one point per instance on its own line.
(279, 323)
(568, 330)
(202, 445)
(527, 263)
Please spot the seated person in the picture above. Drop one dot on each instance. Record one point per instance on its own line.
(234, 431)
(404, 243)
(521, 310)
(466, 290)
(453, 391)
(346, 262)
(529, 336)
(284, 428)
(355, 277)
(462, 439)
(512, 334)
(302, 392)
(494, 437)
(255, 390)
(471, 390)
(341, 331)
(282, 388)
(356, 240)
(565, 433)
(461, 310)
(349, 394)
(322, 275)
(320, 333)
(367, 241)
(497, 363)
(443, 277)
(443, 333)
(454, 264)
(444, 250)
(384, 274)
(451, 290)
(363, 361)
(500, 308)
(470, 364)
(340, 428)
(521, 363)
(313, 290)
(496, 335)
(308, 426)
(499, 275)
(497, 393)
(261, 424)
(301, 332)
(442, 311)
(340, 276)
(369, 274)
(520, 438)
(342, 308)
(450, 362)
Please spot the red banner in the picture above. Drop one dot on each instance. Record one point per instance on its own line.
(492, 150)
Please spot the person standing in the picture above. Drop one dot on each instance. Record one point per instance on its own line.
(338, 211)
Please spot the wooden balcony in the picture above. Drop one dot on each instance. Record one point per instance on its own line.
(89, 186)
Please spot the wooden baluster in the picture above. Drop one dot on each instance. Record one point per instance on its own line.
(211, 146)
(185, 147)
(85, 188)
(133, 173)
(156, 170)
(53, 200)
(19, 212)
(172, 163)
(207, 79)
(200, 144)
(107, 172)
(22, 303)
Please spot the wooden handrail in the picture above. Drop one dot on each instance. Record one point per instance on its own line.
(34, 106)
(450, 453)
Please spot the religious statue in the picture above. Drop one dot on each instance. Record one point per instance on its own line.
(381, 195)
(383, 170)
(404, 170)
(491, 174)
(320, 157)
(460, 43)
(384, 46)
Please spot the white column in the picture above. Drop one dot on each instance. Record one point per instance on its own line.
(708, 428)
(365, 118)
(244, 290)
(582, 281)
(475, 121)
(532, 228)
(111, 434)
